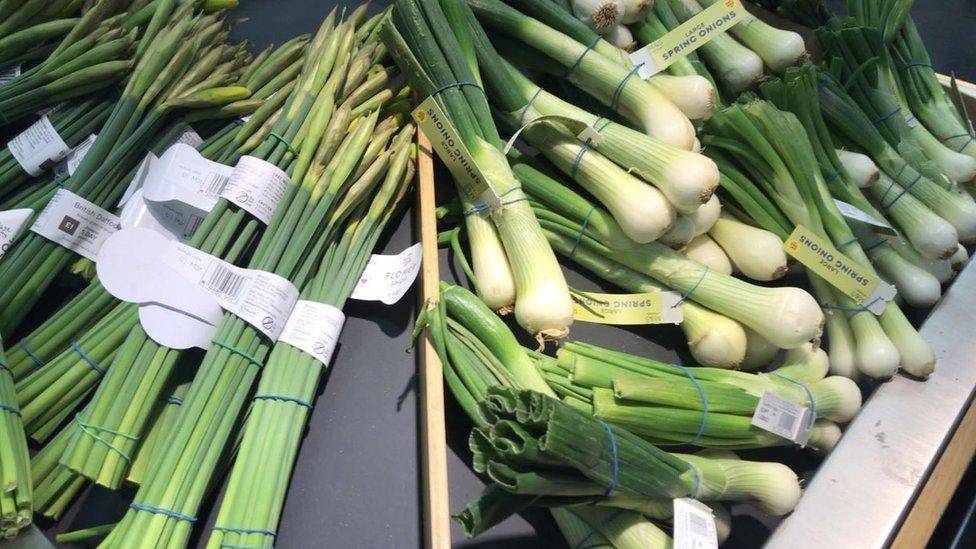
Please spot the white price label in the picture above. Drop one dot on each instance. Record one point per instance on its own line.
(7, 75)
(190, 137)
(783, 418)
(387, 277)
(314, 328)
(256, 186)
(263, 300)
(11, 222)
(38, 147)
(694, 525)
(78, 154)
(853, 212)
(75, 223)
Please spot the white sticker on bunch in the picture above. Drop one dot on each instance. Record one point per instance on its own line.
(7, 75)
(78, 153)
(314, 328)
(38, 147)
(263, 300)
(75, 223)
(256, 186)
(853, 212)
(190, 137)
(387, 277)
(783, 417)
(694, 525)
(11, 222)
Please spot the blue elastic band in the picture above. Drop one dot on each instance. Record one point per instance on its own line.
(613, 454)
(238, 546)
(92, 431)
(834, 175)
(615, 103)
(281, 398)
(458, 85)
(969, 139)
(84, 356)
(584, 148)
(284, 141)
(174, 400)
(687, 295)
(580, 58)
(876, 245)
(846, 243)
(704, 400)
(594, 530)
(697, 485)
(866, 308)
(160, 511)
(5, 368)
(37, 360)
(478, 208)
(914, 65)
(579, 236)
(887, 116)
(812, 405)
(246, 531)
(234, 350)
(901, 194)
(13, 410)
(528, 105)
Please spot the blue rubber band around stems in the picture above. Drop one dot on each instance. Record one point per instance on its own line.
(887, 116)
(458, 85)
(579, 59)
(282, 398)
(907, 66)
(812, 405)
(13, 410)
(614, 468)
(595, 530)
(234, 530)
(853, 310)
(846, 243)
(615, 102)
(582, 231)
(529, 105)
(876, 245)
(687, 295)
(902, 193)
(834, 175)
(88, 360)
(704, 401)
(234, 350)
(37, 360)
(161, 511)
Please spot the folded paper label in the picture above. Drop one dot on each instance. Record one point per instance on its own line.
(39, 147)
(783, 418)
(854, 213)
(75, 223)
(627, 309)
(583, 131)
(850, 277)
(694, 525)
(694, 33)
(11, 222)
(387, 278)
(256, 186)
(314, 328)
(446, 141)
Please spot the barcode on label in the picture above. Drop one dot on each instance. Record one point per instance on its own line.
(213, 184)
(224, 281)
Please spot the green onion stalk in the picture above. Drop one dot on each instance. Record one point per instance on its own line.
(55, 487)
(164, 418)
(689, 91)
(18, 16)
(811, 13)
(16, 499)
(660, 403)
(606, 78)
(735, 67)
(859, 58)
(788, 317)
(925, 94)
(274, 427)
(785, 175)
(293, 244)
(850, 124)
(126, 397)
(74, 123)
(433, 47)
(171, 74)
(888, 16)
(267, 74)
(486, 369)
(96, 53)
(33, 42)
(932, 236)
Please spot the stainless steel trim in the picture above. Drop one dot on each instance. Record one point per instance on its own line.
(865, 488)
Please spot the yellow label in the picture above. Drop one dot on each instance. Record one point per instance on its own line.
(687, 37)
(627, 309)
(446, 141)
(850, 277)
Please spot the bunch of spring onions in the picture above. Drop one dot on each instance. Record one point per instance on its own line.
(327, 183)
(16, 499)
(775, 178)
(562, 461)
(171, 74)
(96, 54)
(433, 47)
(662, 404)
(251, 508)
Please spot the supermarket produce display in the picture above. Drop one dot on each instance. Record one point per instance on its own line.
(686, 248)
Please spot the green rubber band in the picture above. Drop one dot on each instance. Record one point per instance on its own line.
(234, 350)
(284, 142)
(90, 429)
